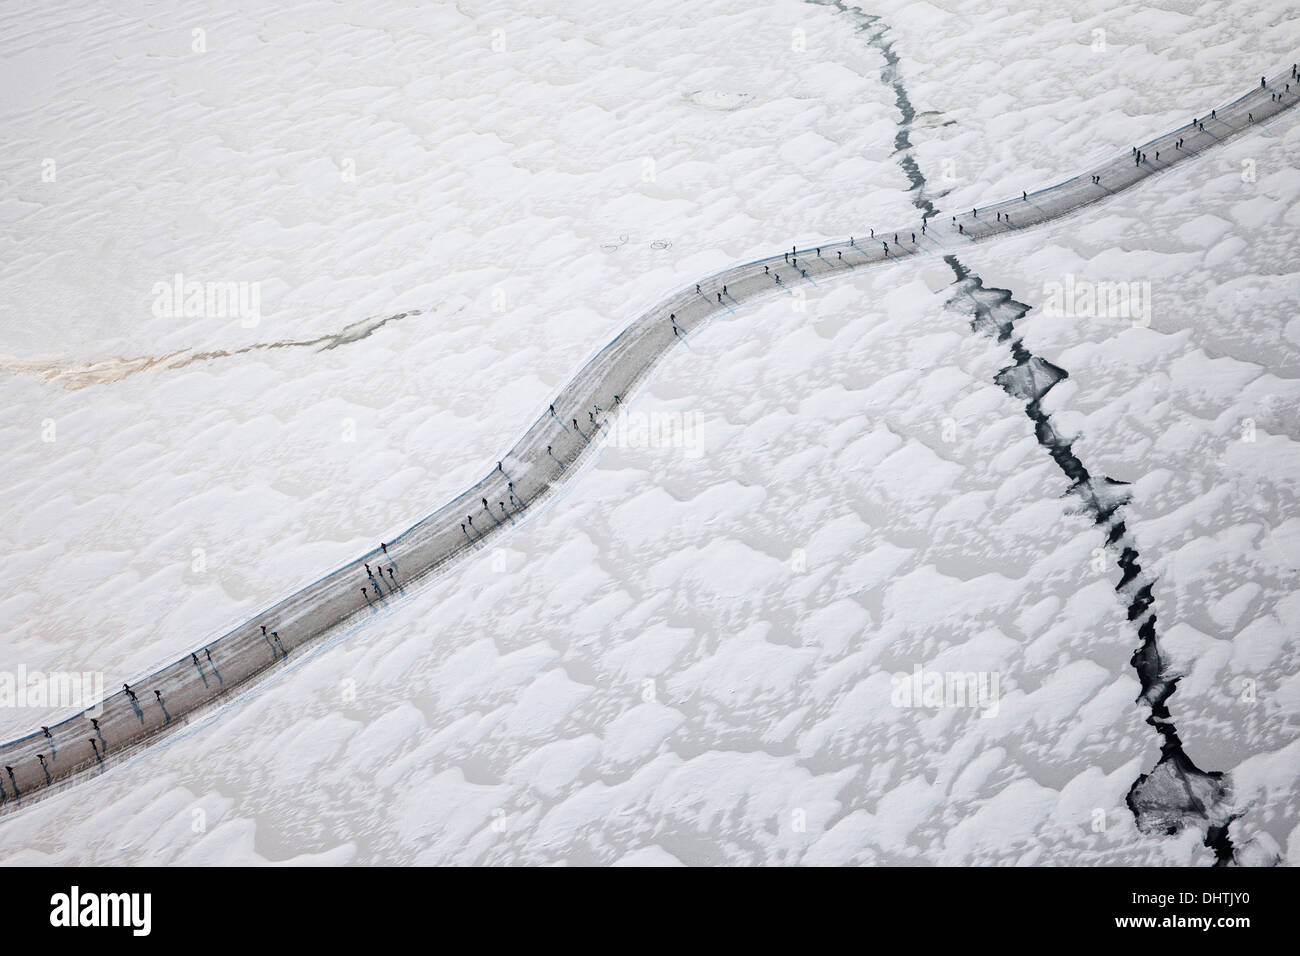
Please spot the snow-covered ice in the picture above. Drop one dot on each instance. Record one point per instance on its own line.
(688, 656)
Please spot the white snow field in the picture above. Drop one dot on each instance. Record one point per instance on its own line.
(685, 657)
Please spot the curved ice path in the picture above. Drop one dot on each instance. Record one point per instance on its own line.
(548, 452)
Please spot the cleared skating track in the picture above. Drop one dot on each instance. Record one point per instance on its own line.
(194, 685)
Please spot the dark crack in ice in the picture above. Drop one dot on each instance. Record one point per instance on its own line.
(1176, 793)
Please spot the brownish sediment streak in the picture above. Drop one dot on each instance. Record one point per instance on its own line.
(116, 368)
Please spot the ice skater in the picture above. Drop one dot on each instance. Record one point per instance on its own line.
(46, 731)
(129, 693)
